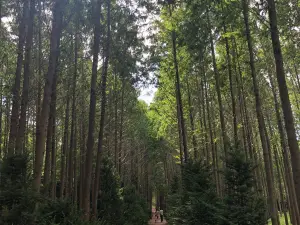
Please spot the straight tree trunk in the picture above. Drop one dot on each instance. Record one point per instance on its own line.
(63, 168)
(194, 141)
(16, 88)
(82, 153)
(261, 123)
(1, 113)
(53, 145)
(27, 72)
(58, 12)
(203, 115)
(92, 112)
(218, 89)
(6, 126)
(228, 57)
(285, 154)
(182, 131)
(212, 144)
(75, 194)
(40, 70)
(121, 127)
(48, 164)
(103, 113)
(116, 122)
(284, 96)
(72, 150)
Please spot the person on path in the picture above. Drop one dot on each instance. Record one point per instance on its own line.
(161, 215)
(156, 215)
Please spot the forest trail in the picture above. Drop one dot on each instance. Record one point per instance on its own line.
(152, 221)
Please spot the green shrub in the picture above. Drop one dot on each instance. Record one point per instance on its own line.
(135, 209)
(195, 202)
(17, 199)
(109, 202)
(243, 206)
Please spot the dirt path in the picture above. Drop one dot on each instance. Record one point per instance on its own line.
(158, 222)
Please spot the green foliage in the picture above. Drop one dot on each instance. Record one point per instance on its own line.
(17, 199)
(20, 205)
(62, 212)
(135, 208)
(196, 201)
(58, 212)
(243, 205)
(109, 202)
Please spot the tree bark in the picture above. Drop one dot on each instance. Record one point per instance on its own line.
(103, 112)
(284, 96)
(218, 89)
(92, 112)
(63, 169)
(212, 144)
(72, 150)
(228, 57)
(53, 145)
(16, 88)
(261, 123)
(285, 154)
(182, 131)
(58, 12)
(121, 128)
(40, 69)
(27, 72)
(194, 141)
(48, 157)
(116, 122)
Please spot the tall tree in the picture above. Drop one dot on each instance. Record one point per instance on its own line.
(27, 72)
(92, 111)
(261, 122)
(16, 88)
(284, 96)
(58, 13)
(103, 110)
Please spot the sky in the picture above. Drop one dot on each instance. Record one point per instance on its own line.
(147, 94)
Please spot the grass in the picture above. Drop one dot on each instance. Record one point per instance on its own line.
(282, 221)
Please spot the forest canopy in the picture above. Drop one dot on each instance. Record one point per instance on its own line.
(217, 144)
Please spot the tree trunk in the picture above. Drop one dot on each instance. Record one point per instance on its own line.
(218, 89)
(116, 122)
(53, 145)
(202, 113)
(212, 144)
(261, 123)
(228, 57)
(82, 154)
(194, 141)
(27, 72)
(75, 194)
(121, 128)
(284, 96)
(49, 142)
(40, 69)
(72, 150)
(58, 12)
(1, 113)
(284, 147)
(92, 112)
(182, 130)
(16, 88)
(103, 113)
(63, 168)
